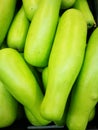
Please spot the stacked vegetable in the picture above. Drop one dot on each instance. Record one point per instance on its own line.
(48, 64)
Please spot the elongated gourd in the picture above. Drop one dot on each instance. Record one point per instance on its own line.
(8, 107)
(41, 33)
(21, 82)
(65, 62)
(63, 119)
(85, 92)
(18, 31)
(7, 9)
(83, 6)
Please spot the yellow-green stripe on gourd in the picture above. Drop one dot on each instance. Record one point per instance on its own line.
(85, 92)
(14, 71)
(7, 9)
(41, 33)
(65, 61)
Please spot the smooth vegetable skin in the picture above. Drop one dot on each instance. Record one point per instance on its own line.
(7, 9)
(15, 72)
(61, 122)
(85, 92)
(64, 63)
(83, 6)
(30, 7)
(63, 119)
(44, 81)
(18, 31)
(8, 107)
(65, 4)
(41, 33)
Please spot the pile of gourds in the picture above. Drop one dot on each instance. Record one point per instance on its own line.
(48, 64)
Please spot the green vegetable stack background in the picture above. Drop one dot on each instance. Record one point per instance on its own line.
(48, 63)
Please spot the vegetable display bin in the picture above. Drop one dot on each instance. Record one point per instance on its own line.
(24, 124)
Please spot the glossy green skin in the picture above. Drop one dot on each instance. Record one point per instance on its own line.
(64, 63)
(30, 7)
(83, 6)
(7, 9)
(62, 121)
(65, 4)
(18, 31)
(45, 80)
(85, 92)
(15, 72)
(8, 107)
(41, 33)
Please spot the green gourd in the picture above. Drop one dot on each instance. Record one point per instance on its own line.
(7, 10)
(41, 33)
(63, 119)
(84, 7)
(21, 82)
(18, 31)
(8, 107)
(85, 93)
(65, 62)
